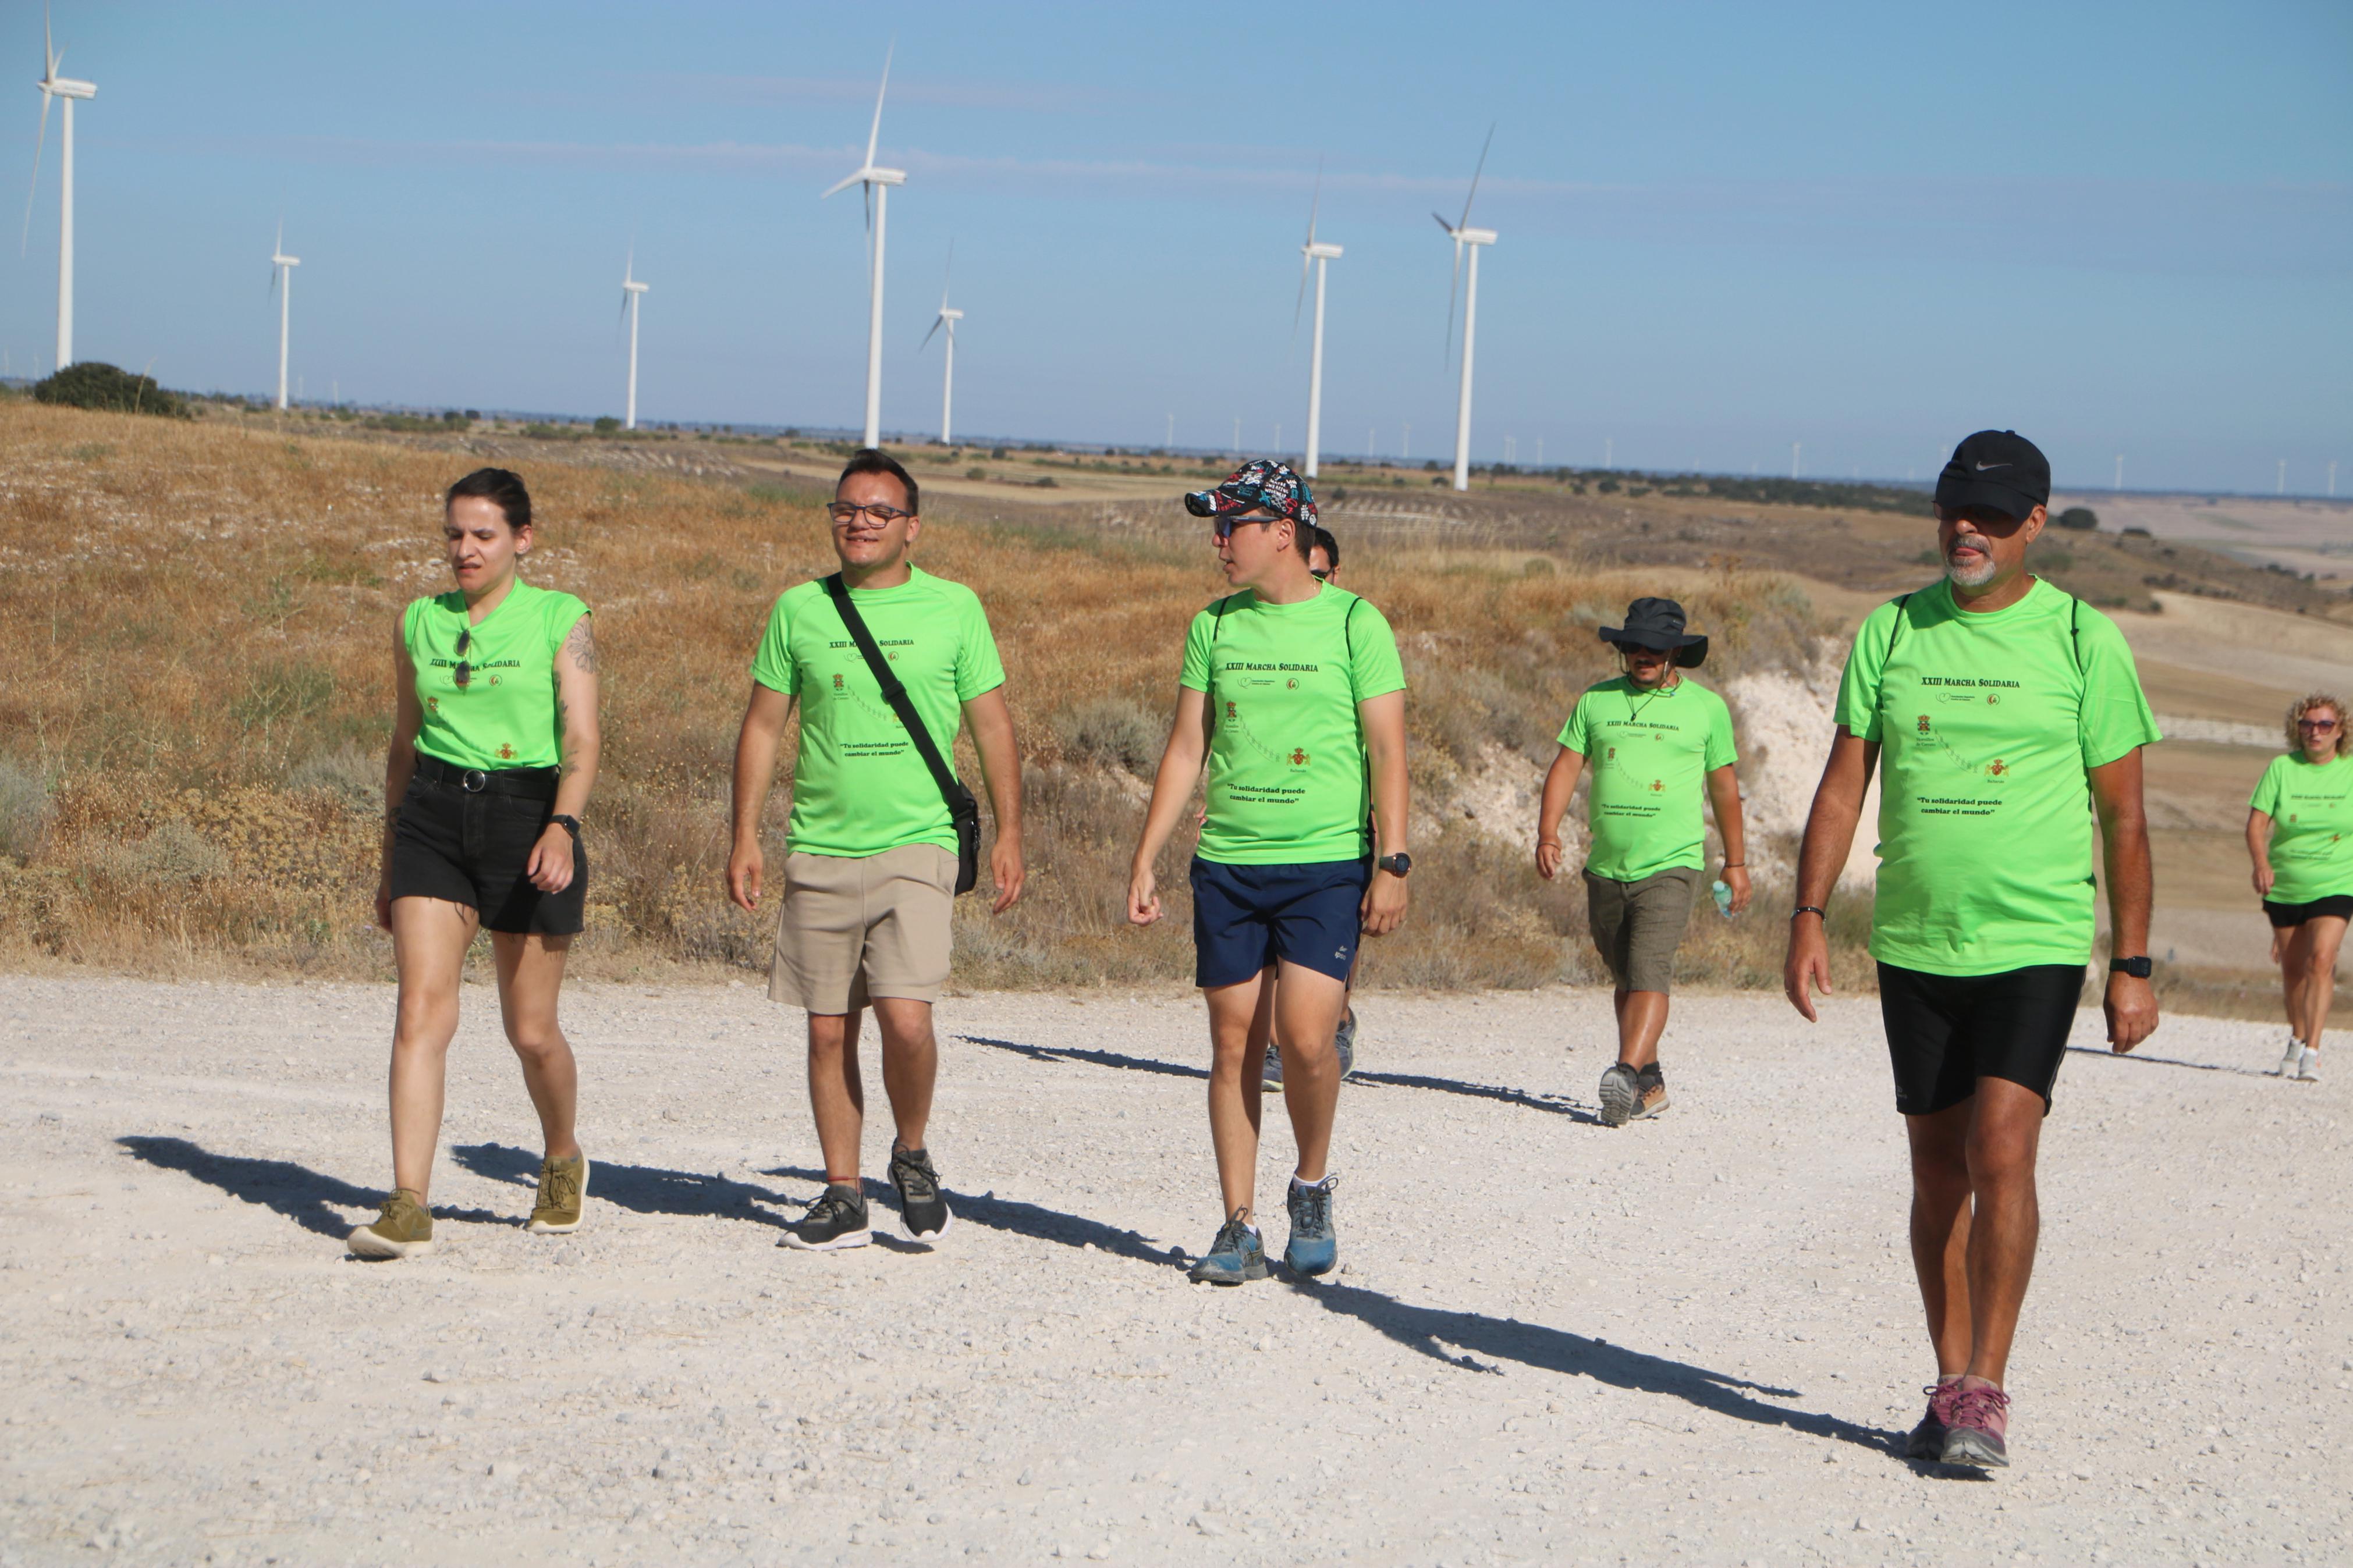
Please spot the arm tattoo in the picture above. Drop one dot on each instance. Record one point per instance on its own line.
(582, 646)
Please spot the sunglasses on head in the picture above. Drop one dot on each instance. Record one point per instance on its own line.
(1320, 573)
(845, 512)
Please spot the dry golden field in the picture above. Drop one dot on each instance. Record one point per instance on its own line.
(195, 620)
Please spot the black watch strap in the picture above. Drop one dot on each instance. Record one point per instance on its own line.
(568, 823)
(1395, 865)
(2138, 968)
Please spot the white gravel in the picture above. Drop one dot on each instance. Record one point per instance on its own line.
(1694, 1340)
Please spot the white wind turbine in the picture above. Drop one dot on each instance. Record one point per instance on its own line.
(878, 183)
(1464, 235)
(1317, 255)
(281, 283)
(631, 292)
(54, 87)
(948, 317)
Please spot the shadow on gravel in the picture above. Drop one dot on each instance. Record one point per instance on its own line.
(2107, 1055)
(1016, 1219)
(301, 1194)
(1430, 1329)
(640, 1189)
(1518, 1097)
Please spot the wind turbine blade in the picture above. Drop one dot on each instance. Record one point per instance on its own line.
(24, 245)
(937, 322)
(49, 44)
(869, 241)
(280, 249)
(874, 136)
(948, 276)
(1305, 261)
(844, 183)
(1452, 288)
(1316, 204)
(1475, 174)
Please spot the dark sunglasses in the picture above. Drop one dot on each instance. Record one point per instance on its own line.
(465, 671)
(1223, 528)
(2323, 725)
(848, 510)
(1323, 576)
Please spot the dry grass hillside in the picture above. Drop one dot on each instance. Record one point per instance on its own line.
(196, 616)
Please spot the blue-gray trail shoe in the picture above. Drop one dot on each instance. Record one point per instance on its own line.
(1270, 1076)
(1344, 1041)
(1313, 1249)
(1237, 1256)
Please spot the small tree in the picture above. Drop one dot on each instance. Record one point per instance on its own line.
(607, 425)
(2080, 518)
(93, 384)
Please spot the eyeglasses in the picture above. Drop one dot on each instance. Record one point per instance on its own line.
(465, 671)
(1223, 528)
(845, 512)
(1321, 575)
(2321, 726)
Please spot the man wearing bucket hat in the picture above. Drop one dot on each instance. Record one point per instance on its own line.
(1293, 692)
(1655, 742)
(2005, 713)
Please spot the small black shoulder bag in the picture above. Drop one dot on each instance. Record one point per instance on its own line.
(963, 809)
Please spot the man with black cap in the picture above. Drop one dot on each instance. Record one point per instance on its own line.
(2006, 713)
(1293, 692)
(1655, 741)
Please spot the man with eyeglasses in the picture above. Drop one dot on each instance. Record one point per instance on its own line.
(2005, 713)
(1654, 742)
(1293, 692)
(870, 872)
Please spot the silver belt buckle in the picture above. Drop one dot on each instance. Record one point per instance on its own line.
(473, 781)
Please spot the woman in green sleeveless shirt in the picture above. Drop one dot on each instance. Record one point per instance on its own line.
(493, 751)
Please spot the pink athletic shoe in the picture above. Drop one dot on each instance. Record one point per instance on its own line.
(1980, 1427)
(1928, 1439)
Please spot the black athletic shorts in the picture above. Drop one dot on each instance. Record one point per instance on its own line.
(1947, 1031)
(471, 847)
(2284, 915)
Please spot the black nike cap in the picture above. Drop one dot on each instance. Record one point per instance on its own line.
(1999, 469)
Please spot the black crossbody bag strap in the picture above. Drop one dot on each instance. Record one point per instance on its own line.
(963, 809)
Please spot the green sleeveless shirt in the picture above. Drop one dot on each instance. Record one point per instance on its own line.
(504, 716)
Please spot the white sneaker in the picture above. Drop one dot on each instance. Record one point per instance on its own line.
(2294, 1057)
(2307, 1066)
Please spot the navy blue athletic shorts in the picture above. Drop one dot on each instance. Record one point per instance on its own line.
(1947, 1031)
(1247, 917)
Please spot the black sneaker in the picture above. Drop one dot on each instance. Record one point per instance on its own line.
(837, 1219)
(922, 1207)
(1621, 1095)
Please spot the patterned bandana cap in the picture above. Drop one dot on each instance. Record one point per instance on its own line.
(1260, 483)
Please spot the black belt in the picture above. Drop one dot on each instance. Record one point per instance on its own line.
(530, 783)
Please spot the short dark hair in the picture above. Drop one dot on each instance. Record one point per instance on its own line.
(1323, 539)
(874, 460)
(502, 488)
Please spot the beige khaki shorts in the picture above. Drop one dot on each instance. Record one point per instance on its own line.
(1639, 925)
(852, 929)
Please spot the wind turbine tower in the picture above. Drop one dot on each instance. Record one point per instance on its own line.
(53, 87)
(948, 317)
(632, 291)
(1318, 255)
(1464, 235)
(878, 183)
(281, 279)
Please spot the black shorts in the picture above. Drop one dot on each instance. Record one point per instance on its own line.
(1947, 1031)
(471, 847)
(2283, 916)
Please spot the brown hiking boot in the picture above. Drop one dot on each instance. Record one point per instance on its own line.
(405, 1230)
(1650, 1092)
(563, 1192)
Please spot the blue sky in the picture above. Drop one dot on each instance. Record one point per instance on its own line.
(1725, 227)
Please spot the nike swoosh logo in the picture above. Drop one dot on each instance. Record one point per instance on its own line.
(1983, 466)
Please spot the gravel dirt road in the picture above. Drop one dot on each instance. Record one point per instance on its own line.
(1694, 1340)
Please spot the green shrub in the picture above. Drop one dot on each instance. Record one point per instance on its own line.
(607, 425)
(1117, 731)
(2079, 517)
(93, 384)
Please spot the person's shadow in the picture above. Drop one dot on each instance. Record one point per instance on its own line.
(304, 1195)
(640, 1189)
(1554, 1104)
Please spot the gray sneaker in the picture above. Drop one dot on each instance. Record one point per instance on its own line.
(1313, 1248)
(1345, 1042)
(2289, 1062)
(2307, 1066)
(1621, 1095)
(1237, 1256)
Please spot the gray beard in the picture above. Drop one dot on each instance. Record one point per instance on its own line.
(1971, 576)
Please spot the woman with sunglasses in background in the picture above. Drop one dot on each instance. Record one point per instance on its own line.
(493, 751)
(2300, 836)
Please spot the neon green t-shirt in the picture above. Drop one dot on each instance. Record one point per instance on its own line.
(2311, 808)
(1986, 725)
(860, 787)
(1648, 754)
(1287, 778)
(504, 716)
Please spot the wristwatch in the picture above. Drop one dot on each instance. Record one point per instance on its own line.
(2138, 968)
(1395, 865)
(569, 824)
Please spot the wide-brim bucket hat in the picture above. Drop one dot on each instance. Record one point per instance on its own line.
(1658, 625)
